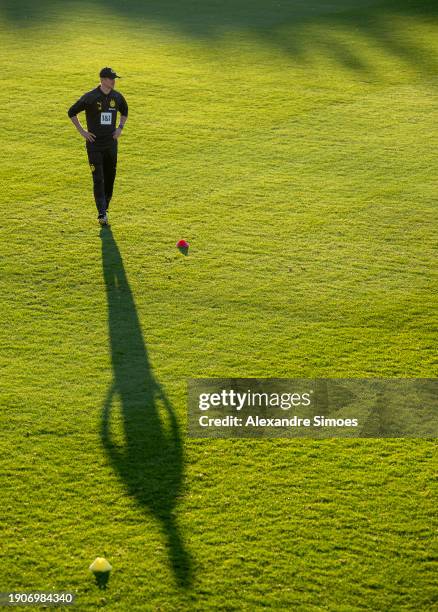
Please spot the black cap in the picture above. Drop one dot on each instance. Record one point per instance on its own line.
(108, 73)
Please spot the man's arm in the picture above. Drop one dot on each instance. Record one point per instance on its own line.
(123, 110)
(123, 120)
(72, 113)
(87, 135)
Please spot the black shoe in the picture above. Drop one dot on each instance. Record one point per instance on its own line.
(103, 219)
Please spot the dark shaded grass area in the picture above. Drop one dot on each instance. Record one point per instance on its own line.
(279, 23)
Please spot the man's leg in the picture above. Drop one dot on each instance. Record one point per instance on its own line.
(95, 159)
(109, 171)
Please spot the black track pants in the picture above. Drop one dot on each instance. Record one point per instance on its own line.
(103, 164)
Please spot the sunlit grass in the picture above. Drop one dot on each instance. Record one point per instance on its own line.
(297, 158)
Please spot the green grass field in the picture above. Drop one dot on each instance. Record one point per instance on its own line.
(293, 144)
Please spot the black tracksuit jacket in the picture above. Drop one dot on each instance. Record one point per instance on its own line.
(101, 113)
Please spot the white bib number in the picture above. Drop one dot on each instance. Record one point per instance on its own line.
(105, 118)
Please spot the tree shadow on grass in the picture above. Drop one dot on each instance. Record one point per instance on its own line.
(146, 452)
(286, 24)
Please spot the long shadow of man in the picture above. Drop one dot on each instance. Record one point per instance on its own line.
(150, 460)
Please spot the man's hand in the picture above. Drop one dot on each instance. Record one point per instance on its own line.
(88, 135)
(117, 133)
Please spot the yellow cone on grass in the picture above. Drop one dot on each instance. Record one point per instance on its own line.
(100, 564)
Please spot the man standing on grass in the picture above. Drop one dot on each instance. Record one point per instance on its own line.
(101, 106)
